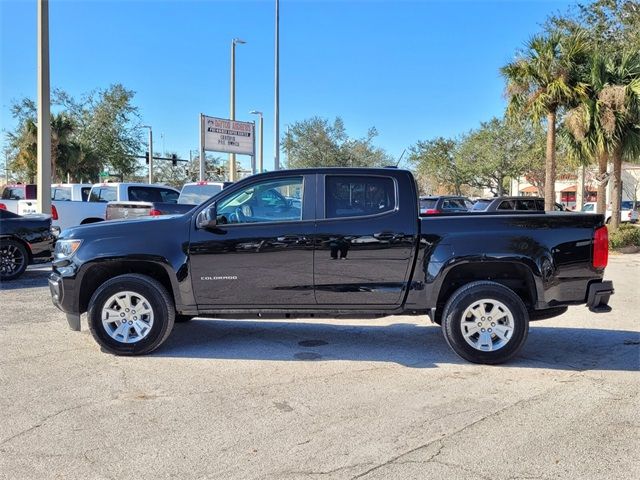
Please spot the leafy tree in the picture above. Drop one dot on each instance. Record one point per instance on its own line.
(544, 78)
(437, 165)
(607, 123)
(317, 143)
(497, 151)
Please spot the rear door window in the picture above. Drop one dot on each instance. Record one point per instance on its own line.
(526, 205)
(61, 193)
(103, 194)
(84, 191)
(358, 196)
(506, 205)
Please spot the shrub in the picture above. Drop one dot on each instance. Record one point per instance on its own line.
(625, 236)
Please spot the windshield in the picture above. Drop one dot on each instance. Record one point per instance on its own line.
(196, 194)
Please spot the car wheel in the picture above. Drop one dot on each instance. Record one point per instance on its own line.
(131, 315)
(485, 322)
(13, 259)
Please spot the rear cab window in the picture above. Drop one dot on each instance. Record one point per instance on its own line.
(152, 194)
(358, 196)
(13, 193)
(103, 194)
(61, 193)
(196, 194)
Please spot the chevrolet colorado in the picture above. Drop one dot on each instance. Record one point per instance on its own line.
(330, 242)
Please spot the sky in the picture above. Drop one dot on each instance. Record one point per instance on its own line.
(413, 69)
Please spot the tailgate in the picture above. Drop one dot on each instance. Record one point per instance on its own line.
(118, 210)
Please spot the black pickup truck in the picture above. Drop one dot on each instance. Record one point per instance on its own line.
(344, 243)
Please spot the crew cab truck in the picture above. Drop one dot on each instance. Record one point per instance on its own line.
(330, 243)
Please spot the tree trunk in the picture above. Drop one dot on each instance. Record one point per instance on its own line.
(617, 189)
(601, 200)
(550, 164)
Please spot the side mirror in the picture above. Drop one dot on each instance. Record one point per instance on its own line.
(207, 218)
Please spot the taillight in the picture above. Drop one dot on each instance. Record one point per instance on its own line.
(3, 206)
(601, 247)
(431, 211)
(155, 212)
(54, 212)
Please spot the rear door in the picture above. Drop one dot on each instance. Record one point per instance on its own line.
(364, 241)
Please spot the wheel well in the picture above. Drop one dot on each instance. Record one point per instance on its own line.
(91, 220)
(515, 276)
(24, 244)
(101, 272)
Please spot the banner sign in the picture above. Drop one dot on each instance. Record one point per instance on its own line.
(229, 136)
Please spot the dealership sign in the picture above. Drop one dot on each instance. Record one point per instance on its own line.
(229, 136)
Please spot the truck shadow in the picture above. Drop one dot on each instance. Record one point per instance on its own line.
(35, 276)
(411, 345)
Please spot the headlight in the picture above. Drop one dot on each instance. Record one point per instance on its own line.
(66, 248)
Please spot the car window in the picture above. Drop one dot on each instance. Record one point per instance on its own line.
(267, 201)
(61, 193)
(453, 204)
(588, 207)
(526, 205)
(480, 205)
(355, 196)
(540, 205)
(84, 191)
(11, 193)
(168, 195)
(196, 194)
(103, 194)
(506, 205)
(427, 204)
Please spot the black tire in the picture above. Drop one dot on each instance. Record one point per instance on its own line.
(464, 298)
(14, 259)
(161, 304)
(183, 318)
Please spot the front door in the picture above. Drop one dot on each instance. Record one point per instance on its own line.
(261, 252)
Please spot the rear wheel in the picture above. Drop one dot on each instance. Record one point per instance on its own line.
(485, 322)
(131, 315)
(13, 259)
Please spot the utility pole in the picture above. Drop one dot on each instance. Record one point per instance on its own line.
(276, 127)
(260, 140)
(150, 152)
(43, 202)
(232, 109)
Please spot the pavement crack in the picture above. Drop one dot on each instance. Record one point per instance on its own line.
(43, 421)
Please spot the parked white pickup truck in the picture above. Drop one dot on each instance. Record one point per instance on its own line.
(67, 206)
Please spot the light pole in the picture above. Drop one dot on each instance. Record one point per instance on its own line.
(260, 138)
(43, 203)
(276, 127)
(150, 153)
(232, 116)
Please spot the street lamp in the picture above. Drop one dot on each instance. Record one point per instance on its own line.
(260, 157)
(276, 125)
(150, 152)
(232, 116)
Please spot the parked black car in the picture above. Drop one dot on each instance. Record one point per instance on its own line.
(23, 240)
(330, 242)
(430, 205)
(520, 204)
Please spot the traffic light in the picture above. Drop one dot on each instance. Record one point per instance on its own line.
(146, 156)
(174, 159)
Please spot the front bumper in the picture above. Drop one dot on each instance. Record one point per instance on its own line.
(598, 296)
(63, 298)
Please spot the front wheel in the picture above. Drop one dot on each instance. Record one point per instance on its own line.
(485, 322)
(131, 315)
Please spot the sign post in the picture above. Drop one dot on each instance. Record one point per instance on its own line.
(202, 158)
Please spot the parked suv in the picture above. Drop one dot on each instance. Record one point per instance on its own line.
(520, 204)
(443, 204)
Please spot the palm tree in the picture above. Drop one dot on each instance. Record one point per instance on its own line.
(544, 78)
(606, 125)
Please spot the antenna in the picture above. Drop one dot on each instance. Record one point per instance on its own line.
(402, 155)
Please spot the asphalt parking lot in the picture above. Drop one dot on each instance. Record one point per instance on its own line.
(320, 399)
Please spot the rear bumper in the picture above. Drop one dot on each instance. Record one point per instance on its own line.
(598, 296)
